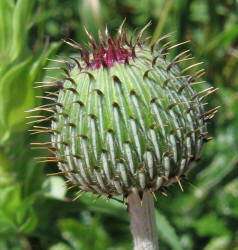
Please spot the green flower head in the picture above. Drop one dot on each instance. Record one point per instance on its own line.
(124, 116)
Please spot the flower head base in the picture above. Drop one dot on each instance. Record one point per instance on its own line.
(126, 118)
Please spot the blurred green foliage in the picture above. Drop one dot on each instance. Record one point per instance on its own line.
(35, 211)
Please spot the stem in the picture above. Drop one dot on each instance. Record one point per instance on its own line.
(143, 226)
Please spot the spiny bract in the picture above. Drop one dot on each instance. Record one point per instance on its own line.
(124, 117)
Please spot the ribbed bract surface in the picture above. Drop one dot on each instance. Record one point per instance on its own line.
(138, 124)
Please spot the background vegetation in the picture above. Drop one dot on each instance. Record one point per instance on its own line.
(36, 212)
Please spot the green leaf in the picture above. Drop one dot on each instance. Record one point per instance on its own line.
(6, 166)
(100, 205)
(31, 222)
(54, 187)
(225, 37)
(33, 177)
(227, 202)
(16, 214)
(16, 96)
(221, 166)
(60, 246)
(164, 15)
(21, 20)
(167, 232)
(10, 200)
(90, 236)
(6, 13)
(23, 211)
(17, 93)
(211, 225)
(4, 133)
(218, 243)
(7, 227)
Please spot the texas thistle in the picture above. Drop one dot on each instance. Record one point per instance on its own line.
(125, 120)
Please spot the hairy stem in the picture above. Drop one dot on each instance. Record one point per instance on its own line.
(143, 226)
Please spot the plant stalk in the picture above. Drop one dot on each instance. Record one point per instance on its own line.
(143, 227)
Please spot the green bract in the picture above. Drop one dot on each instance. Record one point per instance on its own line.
(126, 118)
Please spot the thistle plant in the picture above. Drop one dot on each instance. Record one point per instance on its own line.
(125, 121)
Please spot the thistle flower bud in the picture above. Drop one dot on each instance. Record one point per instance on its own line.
(125, 117)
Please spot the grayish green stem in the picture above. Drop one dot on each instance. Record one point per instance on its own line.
(143, 225)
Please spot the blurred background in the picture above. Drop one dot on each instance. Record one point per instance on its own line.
(36, 211)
